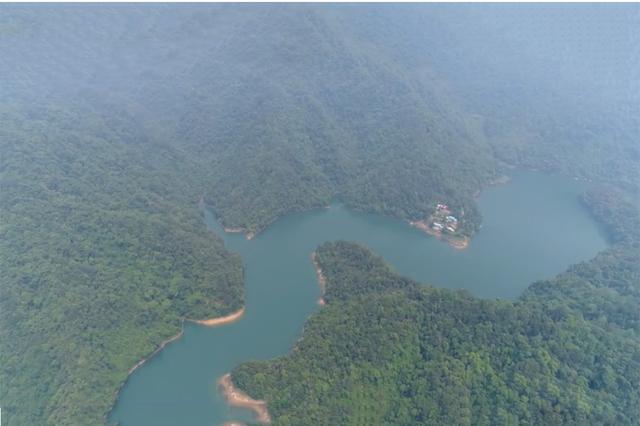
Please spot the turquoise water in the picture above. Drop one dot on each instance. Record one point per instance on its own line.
(533, 228)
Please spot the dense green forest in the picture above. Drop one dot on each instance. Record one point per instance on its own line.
(102, 252)
(281, 106)
(115, 119)
(391, 108)
(387, 350)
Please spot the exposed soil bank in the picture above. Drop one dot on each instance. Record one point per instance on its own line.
(459, 243)
(248, 234)
(214, 322)
(233, 230)
(322, 281)
(237, 398)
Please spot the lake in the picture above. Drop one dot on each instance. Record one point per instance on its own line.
(533, 228)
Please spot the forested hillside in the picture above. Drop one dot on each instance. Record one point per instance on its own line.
(387, 350)
(115, 119)
(102, 252)
(391, 108)
(555, 87)
(281, 105)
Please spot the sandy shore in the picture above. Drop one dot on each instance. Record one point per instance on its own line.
(237, 398)
(214, 322)
(322, 281)
(458, 243)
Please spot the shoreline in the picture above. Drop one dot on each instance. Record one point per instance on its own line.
(211, 322)
(322, 281)
(249, 235)
(217, 321)
(500, 180)
(155, 352)
(140, 363)
(236, 398)
(458, 243)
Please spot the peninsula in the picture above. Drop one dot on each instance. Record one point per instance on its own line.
(237, 398)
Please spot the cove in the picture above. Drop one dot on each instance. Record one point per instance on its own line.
(533, 228)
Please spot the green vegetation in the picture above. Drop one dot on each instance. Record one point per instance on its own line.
(389, 108)
(387, 350)
(102, 252)
(115, 119)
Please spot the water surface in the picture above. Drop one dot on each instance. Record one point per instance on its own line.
(533, 228)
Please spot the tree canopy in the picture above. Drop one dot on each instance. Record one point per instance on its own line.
(116, 119)
(388, 350)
